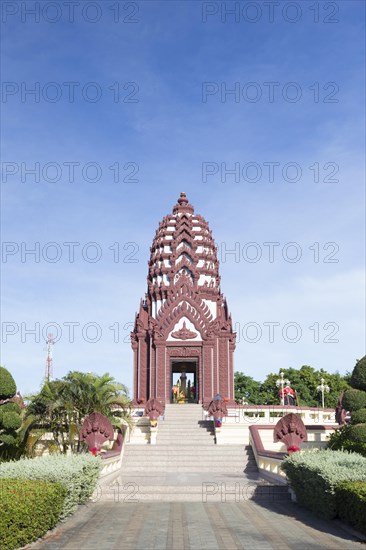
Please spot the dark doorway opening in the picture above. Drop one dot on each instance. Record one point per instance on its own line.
(184, 381)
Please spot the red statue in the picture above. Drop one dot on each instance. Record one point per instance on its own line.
(288, 395)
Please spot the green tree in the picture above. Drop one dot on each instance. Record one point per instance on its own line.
(304, 380)
(61, 406)
(10, 415)
(247, 389)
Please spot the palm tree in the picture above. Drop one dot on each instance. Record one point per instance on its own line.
(61, 406)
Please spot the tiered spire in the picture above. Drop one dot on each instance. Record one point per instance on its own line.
(183, 250)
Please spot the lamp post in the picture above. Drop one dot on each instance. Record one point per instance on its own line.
(281, 383)
(323, 388)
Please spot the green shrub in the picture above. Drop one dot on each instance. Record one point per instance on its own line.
(358, 378)
(28, 509)
(351, 503)
(11, 420)
(7, 384)
(358, 433)
(314, 475)
(353, 400)
(11, 407)
(10, 415)
(340, 440)
(78, 473)
(8, 440)
(359, 417)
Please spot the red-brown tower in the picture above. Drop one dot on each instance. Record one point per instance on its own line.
(183, 325)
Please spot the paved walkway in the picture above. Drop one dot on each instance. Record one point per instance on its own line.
(247, 525)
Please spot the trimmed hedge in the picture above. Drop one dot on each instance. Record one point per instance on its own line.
(359, 417)
(351, 503)
(10, 406)
(358, 378)
(10, 415)
(28, 509)
(7, 385)
(11, 420)
(353, 400)
(358, 433)
(77, 473)
(314, 476)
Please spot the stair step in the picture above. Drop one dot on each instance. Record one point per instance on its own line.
(178, 460)
(188, 469)
(208, 451)
(185, 455)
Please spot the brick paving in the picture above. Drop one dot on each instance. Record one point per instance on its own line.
(250, 525)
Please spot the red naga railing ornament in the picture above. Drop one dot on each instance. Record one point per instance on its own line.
(153, 409)
(96, 430)
(291, 431)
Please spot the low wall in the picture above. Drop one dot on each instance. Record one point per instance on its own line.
(235, 427)
(269, 455)
(112, 463)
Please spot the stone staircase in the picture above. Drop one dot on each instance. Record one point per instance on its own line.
(186, 465)
(185, 425)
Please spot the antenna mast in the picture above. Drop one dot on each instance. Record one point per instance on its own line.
(49, 361)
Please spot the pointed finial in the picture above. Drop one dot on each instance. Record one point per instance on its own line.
(183, 199)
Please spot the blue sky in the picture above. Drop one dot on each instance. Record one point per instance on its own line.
(164, 139)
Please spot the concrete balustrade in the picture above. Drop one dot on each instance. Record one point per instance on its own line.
(269, 455)
(111, 464)
(235, 426)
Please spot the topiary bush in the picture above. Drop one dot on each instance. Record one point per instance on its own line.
(314, 476)
(10, 414)
(358, 378)
(77, 473)
(28, 509)
(351, 503)
(358, 433)
(7, 384)
(353, 400)
(340, 440)
(358, 417)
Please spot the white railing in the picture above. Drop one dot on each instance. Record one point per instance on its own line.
(271, 414)
(111, 464)
(269, 455)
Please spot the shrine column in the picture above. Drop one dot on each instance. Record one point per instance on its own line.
(160, 371)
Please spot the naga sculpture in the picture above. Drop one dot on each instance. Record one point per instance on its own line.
(154, 409)
(96, 430)
(291, 431)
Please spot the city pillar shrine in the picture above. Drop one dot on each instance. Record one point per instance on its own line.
(183, 339)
